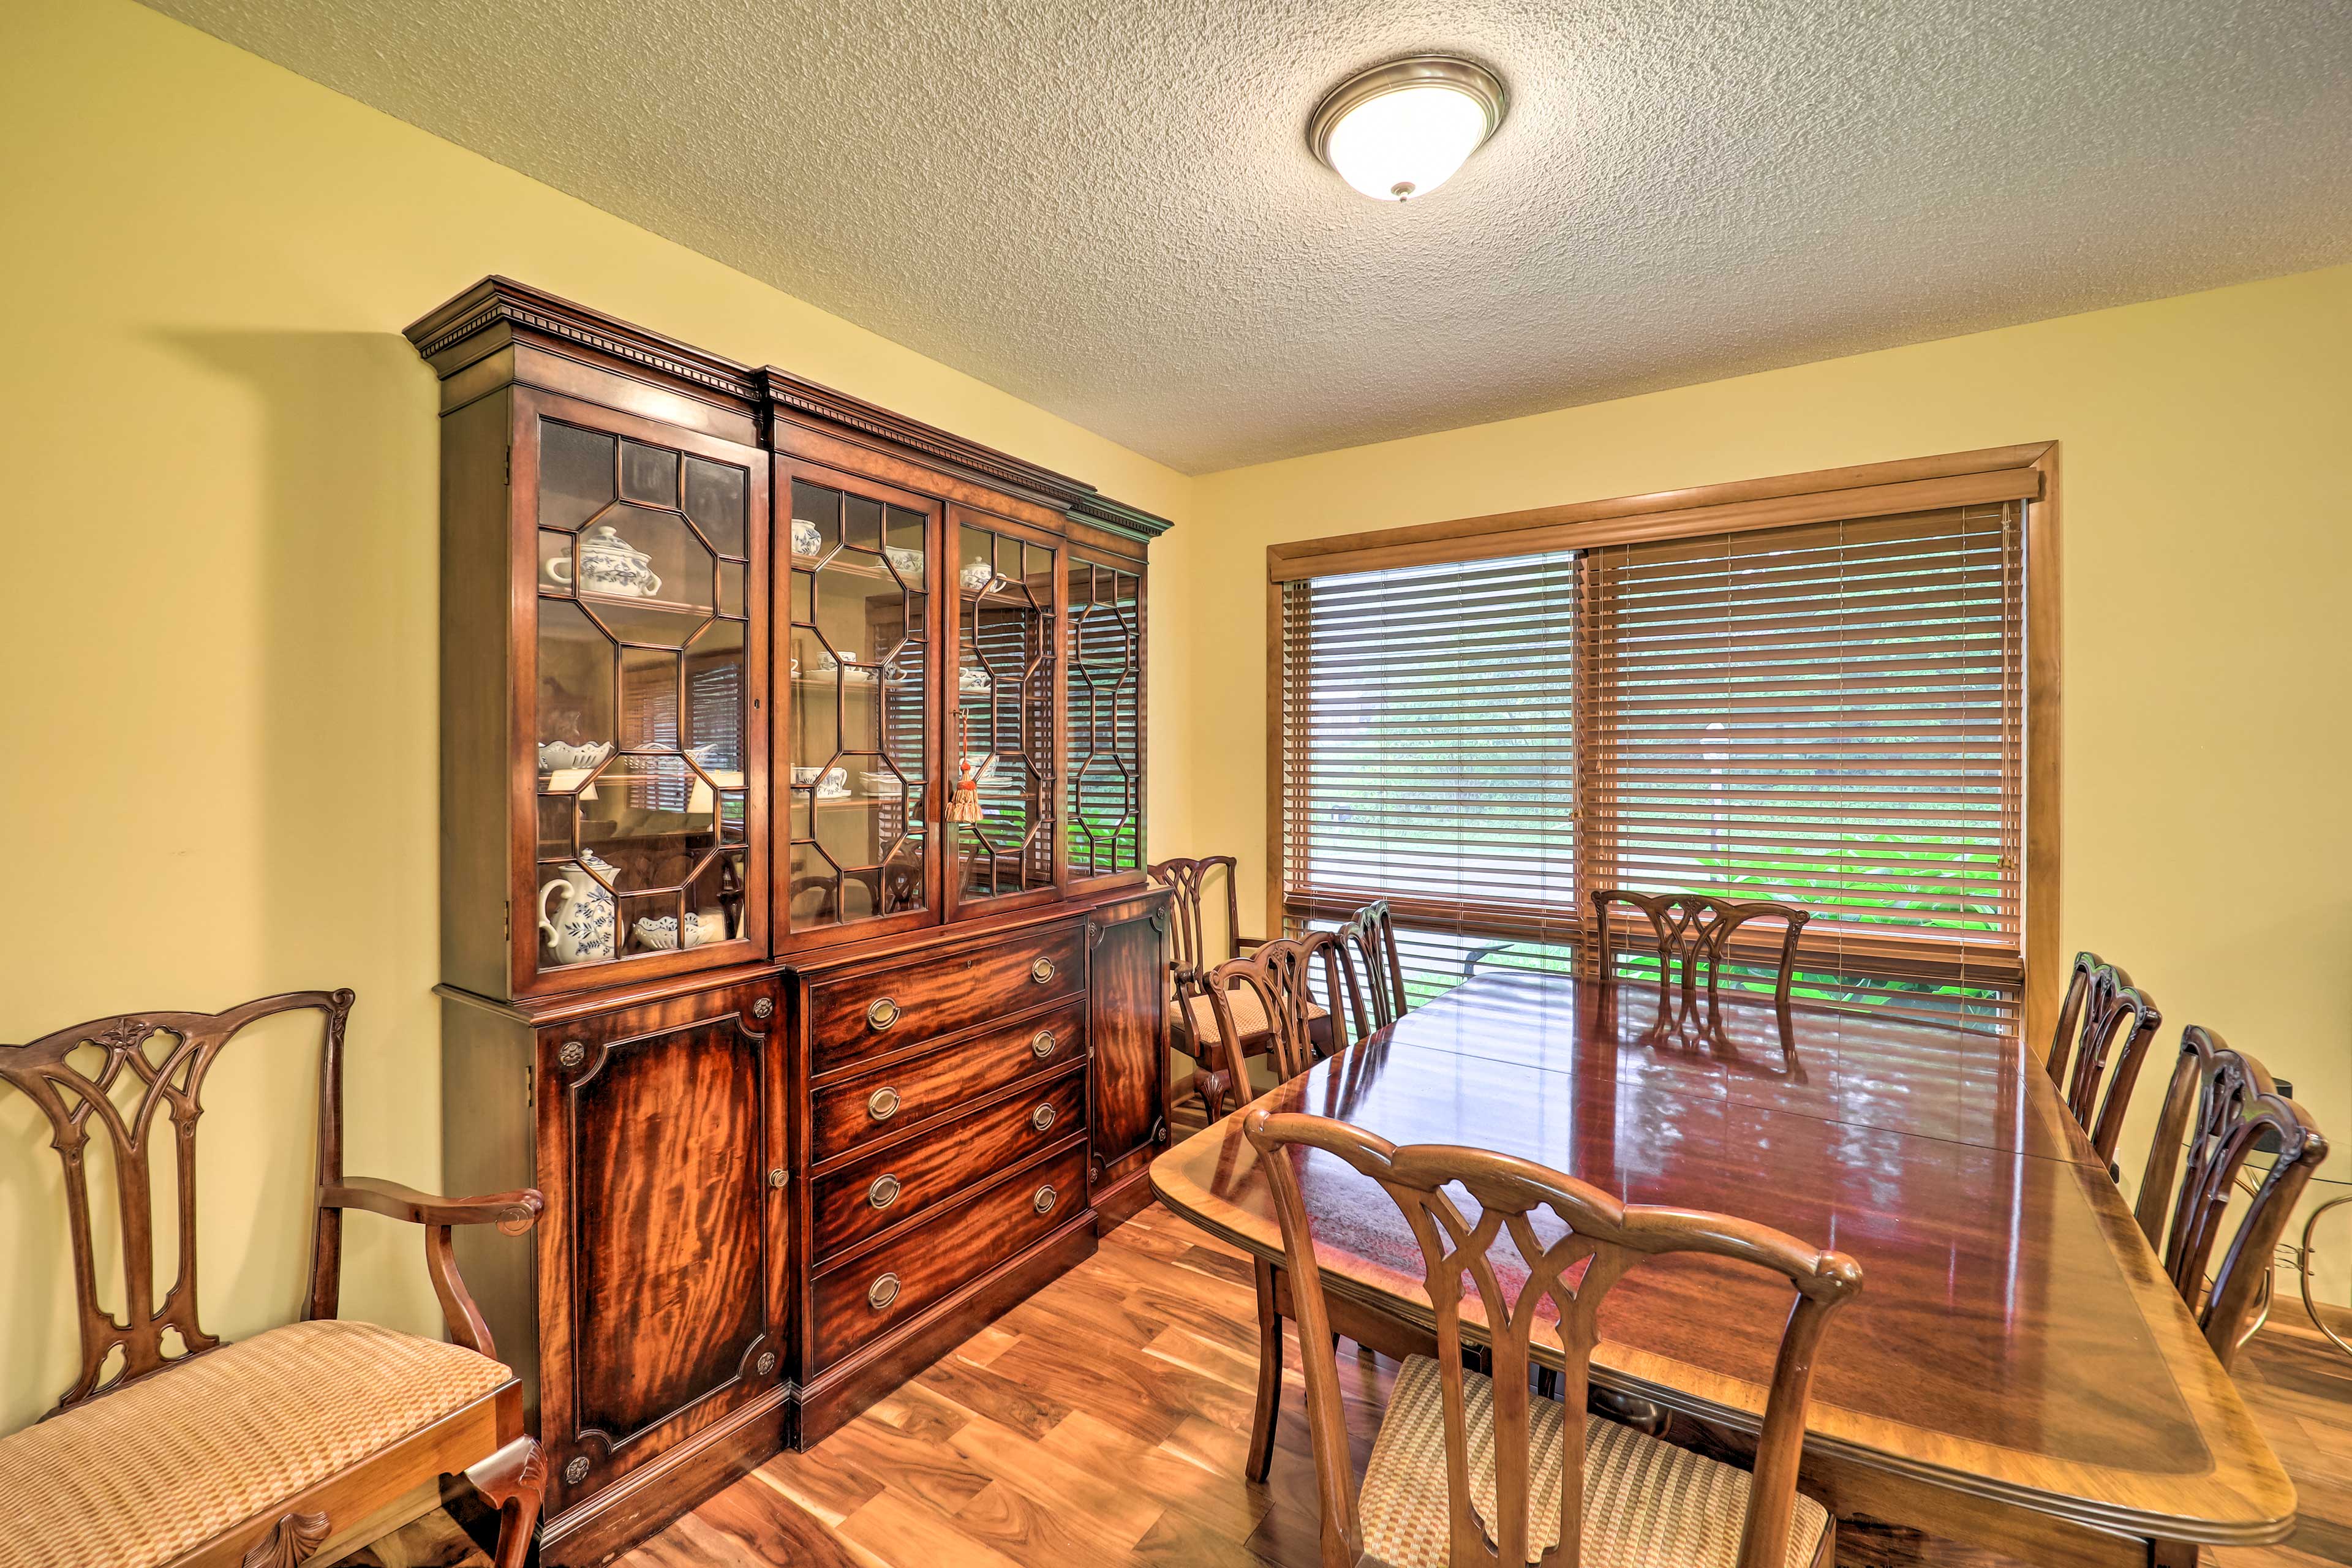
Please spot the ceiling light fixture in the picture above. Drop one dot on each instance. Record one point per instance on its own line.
(1400, 130)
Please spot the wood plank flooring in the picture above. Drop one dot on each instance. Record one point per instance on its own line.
(1104, 1421)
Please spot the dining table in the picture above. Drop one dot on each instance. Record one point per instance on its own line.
(2016, 1372)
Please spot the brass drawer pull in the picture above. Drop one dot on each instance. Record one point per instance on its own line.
(883, 1193)
(882, 1292)
(881, 1013)
(1044, 1201)
(1042, 971)
(882, 1104)
(1042, 1118)
(1042, 1044)
(779, 1176)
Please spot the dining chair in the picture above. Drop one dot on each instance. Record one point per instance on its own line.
(1194, 887)
(1367, 940)
(1270, 994)
(1477, 1470)
(2101, 1001)
(2225, 1131)
(1695, 930)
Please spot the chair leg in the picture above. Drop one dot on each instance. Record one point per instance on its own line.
(511, 1481)
(1269, 1376)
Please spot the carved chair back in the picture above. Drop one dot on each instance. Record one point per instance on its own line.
(1695, 931)
(1280, 977)
(2104, 1031)
(156, 1063)
(1368, 940)
(1592, 1232)
(1194, 884)
(2222, 1114)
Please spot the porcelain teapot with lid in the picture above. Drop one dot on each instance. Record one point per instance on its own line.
(609, 565)
(580, 927)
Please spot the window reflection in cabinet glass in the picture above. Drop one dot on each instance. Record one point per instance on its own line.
(1004, 693)
(1106, 720)
(641, 696)
(857, 737)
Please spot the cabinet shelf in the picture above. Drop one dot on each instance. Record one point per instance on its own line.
(853, 565)
(630, 601)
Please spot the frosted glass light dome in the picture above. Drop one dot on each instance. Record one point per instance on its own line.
(1400, 130)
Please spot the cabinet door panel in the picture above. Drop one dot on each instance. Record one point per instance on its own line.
(667, 1141)
(857, 624)
(639, 704)
(1003, 731)
(1104, 721)
(1126, 980)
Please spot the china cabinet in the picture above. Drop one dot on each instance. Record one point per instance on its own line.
(797, 942)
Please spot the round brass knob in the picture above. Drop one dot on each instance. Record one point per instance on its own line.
(881, 1013)
(767, 1363)
(1042, 1118)
(1042, 1044)
(577, 1471)
(1042, 970)
(778, 1177)
(762, 1008)
(571, 1053)
(882, 1104)
(1044, 1201)
(883, 1193)
(882, 1292)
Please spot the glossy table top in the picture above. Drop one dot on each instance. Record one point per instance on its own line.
(2014, 1337)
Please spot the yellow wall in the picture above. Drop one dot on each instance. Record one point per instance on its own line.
(220, 550)
(2206, 467)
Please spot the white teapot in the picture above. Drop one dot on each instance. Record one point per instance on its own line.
(581, 926)
(609, 565)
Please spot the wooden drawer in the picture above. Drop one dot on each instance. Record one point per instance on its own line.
(864, 1015)
(889, 1101)
(871, 1295)
(868, 1197)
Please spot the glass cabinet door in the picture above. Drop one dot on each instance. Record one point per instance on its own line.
(1104, 709)
(1006, 670)
(643, 720)
(855, 857)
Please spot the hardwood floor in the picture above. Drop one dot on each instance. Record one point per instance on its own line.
(1103, 1422)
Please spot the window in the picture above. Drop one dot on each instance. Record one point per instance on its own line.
(1828, 711)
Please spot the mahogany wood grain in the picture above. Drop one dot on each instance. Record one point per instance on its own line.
(2018, 1351)
(1125, 1018)
(938, 995)
(656, 1249)
(900, 1183)
(903, 1096)
(874, 1290)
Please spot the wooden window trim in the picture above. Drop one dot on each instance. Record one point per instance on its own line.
(2027, 472)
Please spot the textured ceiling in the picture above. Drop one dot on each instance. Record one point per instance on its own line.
(1107, 207)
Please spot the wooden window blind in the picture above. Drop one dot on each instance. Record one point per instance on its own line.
(1830, 715)
(1429, 752)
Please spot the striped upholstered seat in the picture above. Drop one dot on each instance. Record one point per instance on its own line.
(139, 1476)
(1647, 1504)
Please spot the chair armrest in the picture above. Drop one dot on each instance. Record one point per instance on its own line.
(513, 1213)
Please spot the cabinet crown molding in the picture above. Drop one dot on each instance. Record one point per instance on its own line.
(502, 302)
